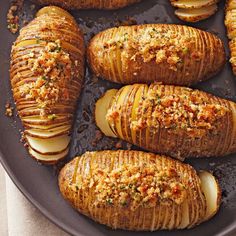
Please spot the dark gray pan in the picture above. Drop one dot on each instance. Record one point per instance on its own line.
(39, 183)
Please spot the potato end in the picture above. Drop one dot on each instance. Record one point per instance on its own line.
(101, 108)
(212, 192)
(48, 10)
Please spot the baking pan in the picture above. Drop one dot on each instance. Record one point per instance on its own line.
(39, 183)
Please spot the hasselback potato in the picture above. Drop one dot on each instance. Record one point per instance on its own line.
(47, 69)
(230, 22)
(176, 121)
(171, 54)
(139, 191)
(193, 11)
(87, 4)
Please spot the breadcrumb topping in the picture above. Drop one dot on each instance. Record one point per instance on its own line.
(159, 44)
(133, 186)
(230, 23)
(191, 113)
(53, 68)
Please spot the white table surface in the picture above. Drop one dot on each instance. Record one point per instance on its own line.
(18, 217)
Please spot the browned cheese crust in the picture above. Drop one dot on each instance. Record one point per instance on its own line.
(134, 190)
(230, 22)
(87, 4)
(171, 54)
(175, 121)
(47, 70)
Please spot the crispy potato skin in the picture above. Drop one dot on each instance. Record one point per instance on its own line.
(204, 57)
(29, 45)
(88, 4)
(177, 141)
(118, 217)
(230, 23)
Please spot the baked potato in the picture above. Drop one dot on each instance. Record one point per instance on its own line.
(230, 22)
(88, 4)
(171, 54)
(176, 121)
(194, 10)
(47, 70)
(139, 191)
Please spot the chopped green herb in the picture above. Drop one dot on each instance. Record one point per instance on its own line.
(124, 203)
(38, 40)
(185, 50)
(109, 201)
(56, 49)
(44, 77)
(52, 117)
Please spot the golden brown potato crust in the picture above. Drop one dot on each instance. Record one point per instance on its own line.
(164, 215)
(175, 121)
(87, 4)
(172, 54)
(47, 70)
(230, 23)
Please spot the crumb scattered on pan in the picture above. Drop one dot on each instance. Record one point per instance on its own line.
(8, 110)
(128, 146)
(118, 145)
(32, 7)
(128, 21)
(23, 139)
(12, 16)
(98, 137)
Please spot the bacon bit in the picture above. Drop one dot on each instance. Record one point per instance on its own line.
(8, 110)
(133, 186)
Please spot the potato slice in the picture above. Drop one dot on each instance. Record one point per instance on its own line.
(37, 120)
(120, 101)
(45, 134)
(55, 10)
(194, 15)
(46, 127)
(101, 108)
(212, 192)
(48, 159)
(192, 4)
(49, 146)
(185, 216)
